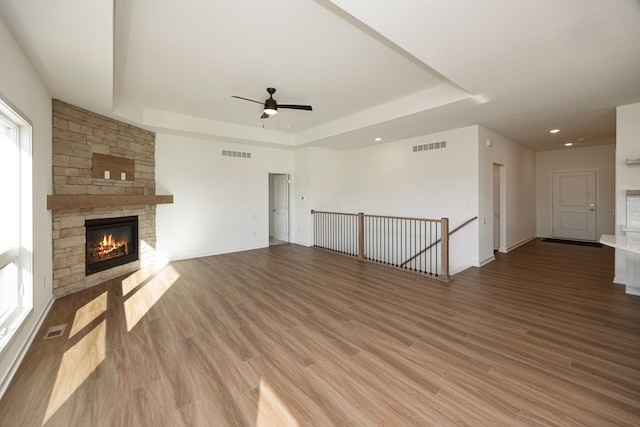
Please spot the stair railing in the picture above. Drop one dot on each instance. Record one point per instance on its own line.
(418, 245)
(439, 240)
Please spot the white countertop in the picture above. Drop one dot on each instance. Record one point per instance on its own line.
(629, 243)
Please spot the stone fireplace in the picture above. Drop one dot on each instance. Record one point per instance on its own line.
(102, 169)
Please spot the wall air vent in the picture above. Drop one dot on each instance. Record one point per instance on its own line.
(430, 146)
(229, 153)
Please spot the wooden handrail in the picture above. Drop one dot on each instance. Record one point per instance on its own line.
(376, 216)
(438, 241)
(404, 218)
(332, 213)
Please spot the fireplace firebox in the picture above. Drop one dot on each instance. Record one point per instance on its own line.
(110, 242)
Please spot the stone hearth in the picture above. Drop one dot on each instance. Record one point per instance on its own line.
(77, 136)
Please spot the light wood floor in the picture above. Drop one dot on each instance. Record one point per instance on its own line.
(287, 336)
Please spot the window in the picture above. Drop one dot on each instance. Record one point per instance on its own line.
(15, 221)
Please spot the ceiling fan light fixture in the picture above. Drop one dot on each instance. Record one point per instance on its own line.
(270, 107)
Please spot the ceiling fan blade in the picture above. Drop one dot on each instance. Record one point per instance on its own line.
(247, 99)
(264, 116)
(296, 107)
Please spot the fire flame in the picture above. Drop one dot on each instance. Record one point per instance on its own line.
(109, 244)
(106, 248)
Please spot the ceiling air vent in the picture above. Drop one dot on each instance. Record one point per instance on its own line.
(229, 153)
(430, 146)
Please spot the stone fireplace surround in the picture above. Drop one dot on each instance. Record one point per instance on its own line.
(77, 135)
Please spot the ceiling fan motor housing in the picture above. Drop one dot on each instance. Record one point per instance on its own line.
(270, 106)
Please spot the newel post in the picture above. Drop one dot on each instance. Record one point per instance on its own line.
(313, 227)
(444, 236)
(361, 235)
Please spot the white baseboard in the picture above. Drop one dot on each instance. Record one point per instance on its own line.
(6, 380)
(219, 252)
(487, 260)
(619, 280)
(632, 290)
(517, 245)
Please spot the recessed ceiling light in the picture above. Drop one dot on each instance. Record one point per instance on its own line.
(554, 131)
(377, 139)
(568, 144)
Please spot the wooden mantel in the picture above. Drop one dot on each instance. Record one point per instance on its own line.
(79, 201)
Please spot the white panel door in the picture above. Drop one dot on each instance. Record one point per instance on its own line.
(574, 205)
(281, 207)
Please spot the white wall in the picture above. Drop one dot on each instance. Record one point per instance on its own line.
(327, 169)
(390, 179)
(627, 177)
(520, 169)
(319, 177)
(301, 219)
(20, 85)
(601, 158)
(456, 182)
(221, 204)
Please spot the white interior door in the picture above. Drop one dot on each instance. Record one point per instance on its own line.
(574, 205)
(281, 207)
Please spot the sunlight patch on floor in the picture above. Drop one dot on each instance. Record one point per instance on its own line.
(88, 313)
(271, 410)
(136, 279)
(77, 364)
(137, 306)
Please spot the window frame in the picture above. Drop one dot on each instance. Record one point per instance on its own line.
(21, 252)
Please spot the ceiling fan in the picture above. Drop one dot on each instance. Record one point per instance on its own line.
(271, 106)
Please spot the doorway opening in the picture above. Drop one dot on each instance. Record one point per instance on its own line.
(278, 208)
